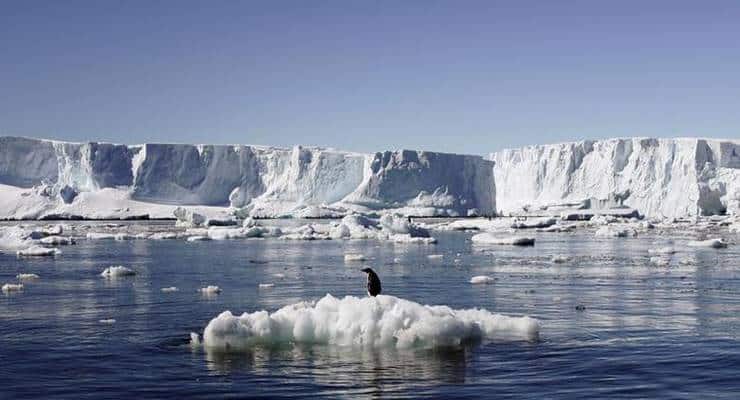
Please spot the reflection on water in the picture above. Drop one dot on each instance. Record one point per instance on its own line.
(389, 368)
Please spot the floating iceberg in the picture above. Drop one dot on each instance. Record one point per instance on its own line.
(382, 321)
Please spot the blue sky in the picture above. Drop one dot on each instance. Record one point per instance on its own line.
(457, 76)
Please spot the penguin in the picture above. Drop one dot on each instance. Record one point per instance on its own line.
(373, 282)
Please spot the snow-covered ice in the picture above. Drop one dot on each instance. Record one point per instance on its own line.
(38, 251)
(716, 243)
(482, 279)
(117, 271)
(354, 257)
(382, 321)
(12, 287)
(489, 238)
(57, 240)
(210, 290)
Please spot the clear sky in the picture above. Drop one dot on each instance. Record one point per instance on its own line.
(456, 76)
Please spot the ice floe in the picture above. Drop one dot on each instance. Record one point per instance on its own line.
(489, 238)
(116, 271)
(38, 251)
(170, 289)
(12, 287)
(382, 321)
(354, 257)
(482, 279)
(27, 277)
(210, 290)
(716, 243)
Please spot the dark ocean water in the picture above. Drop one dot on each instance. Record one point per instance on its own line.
(646, 331)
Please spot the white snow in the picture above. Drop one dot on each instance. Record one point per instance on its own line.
(382, 321)
(482, 279)
(117, 271)
(489, 238)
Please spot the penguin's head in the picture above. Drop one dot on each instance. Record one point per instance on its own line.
(367, 270)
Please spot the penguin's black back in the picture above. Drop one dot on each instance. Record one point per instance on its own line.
(373, 284)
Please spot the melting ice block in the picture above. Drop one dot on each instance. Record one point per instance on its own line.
(382, 321)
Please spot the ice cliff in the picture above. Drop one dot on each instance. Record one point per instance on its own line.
(661, 178)
(50, 179)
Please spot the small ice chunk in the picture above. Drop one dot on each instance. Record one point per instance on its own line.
(169, 289)
(38, 251)
(108, 321)
(435, 256)
(354, 257)
(534, 223)
(481, 279)
(559, 259)
(488, 238)
(266, 285)
(194, 339)
(108, 236)
(12, 287)
(279, 276)
(716, 243)
(210, 290)
(57, 240)
(117, 271)
(27, 277)
(198, 238)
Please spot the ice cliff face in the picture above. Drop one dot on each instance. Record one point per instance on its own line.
(261, 181)
(659, 177)
(432, 184)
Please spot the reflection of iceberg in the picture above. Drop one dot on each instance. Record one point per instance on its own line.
(383, 321)
(343, 367)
